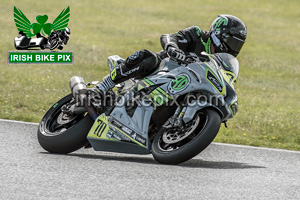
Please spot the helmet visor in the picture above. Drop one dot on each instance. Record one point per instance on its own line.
(235, 44)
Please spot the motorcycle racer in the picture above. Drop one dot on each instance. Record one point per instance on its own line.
(227, 34)
(58, 38)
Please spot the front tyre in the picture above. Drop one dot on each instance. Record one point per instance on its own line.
(62, 133)
(177, 145)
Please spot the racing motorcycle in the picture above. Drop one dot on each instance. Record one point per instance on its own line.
(174, 113)
(57, 39)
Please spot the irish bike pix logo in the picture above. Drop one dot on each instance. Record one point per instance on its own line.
(34, 39)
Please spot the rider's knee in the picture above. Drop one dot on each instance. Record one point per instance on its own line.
(146, 60)
(137, 57)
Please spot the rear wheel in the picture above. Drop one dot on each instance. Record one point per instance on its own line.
(179, 144)
(62, 133)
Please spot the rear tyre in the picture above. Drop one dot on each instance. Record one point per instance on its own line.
(174, 146)
(62, 133)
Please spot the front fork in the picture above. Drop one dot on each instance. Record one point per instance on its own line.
(177, 119)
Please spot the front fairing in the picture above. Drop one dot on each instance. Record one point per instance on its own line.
(206, 79)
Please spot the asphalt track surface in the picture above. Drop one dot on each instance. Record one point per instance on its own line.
(220, 172)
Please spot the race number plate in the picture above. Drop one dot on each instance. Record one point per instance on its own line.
(100, 128)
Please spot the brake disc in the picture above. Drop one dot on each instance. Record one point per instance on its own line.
(65, 119)
(174, 134)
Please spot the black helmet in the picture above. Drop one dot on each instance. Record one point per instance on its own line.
(228, 34)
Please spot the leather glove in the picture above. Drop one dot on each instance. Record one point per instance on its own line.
(176, 53)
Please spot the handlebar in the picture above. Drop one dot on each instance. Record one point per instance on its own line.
(190, 57)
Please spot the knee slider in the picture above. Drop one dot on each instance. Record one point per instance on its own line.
(134, 59)
(140, 56)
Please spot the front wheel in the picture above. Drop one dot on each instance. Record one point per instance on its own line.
(62, 133)
(179, 144)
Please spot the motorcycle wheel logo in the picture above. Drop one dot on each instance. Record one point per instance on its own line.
(48, 35)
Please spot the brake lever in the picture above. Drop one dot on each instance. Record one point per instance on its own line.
(193, 58)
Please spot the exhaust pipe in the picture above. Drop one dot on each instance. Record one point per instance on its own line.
(77, 86)
(79, 91)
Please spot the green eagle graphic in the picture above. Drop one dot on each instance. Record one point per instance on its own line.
(31, 29)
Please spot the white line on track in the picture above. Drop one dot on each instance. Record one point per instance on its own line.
(18, 122)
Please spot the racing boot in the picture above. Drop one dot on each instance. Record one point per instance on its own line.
(105, 85)
(98, 93)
